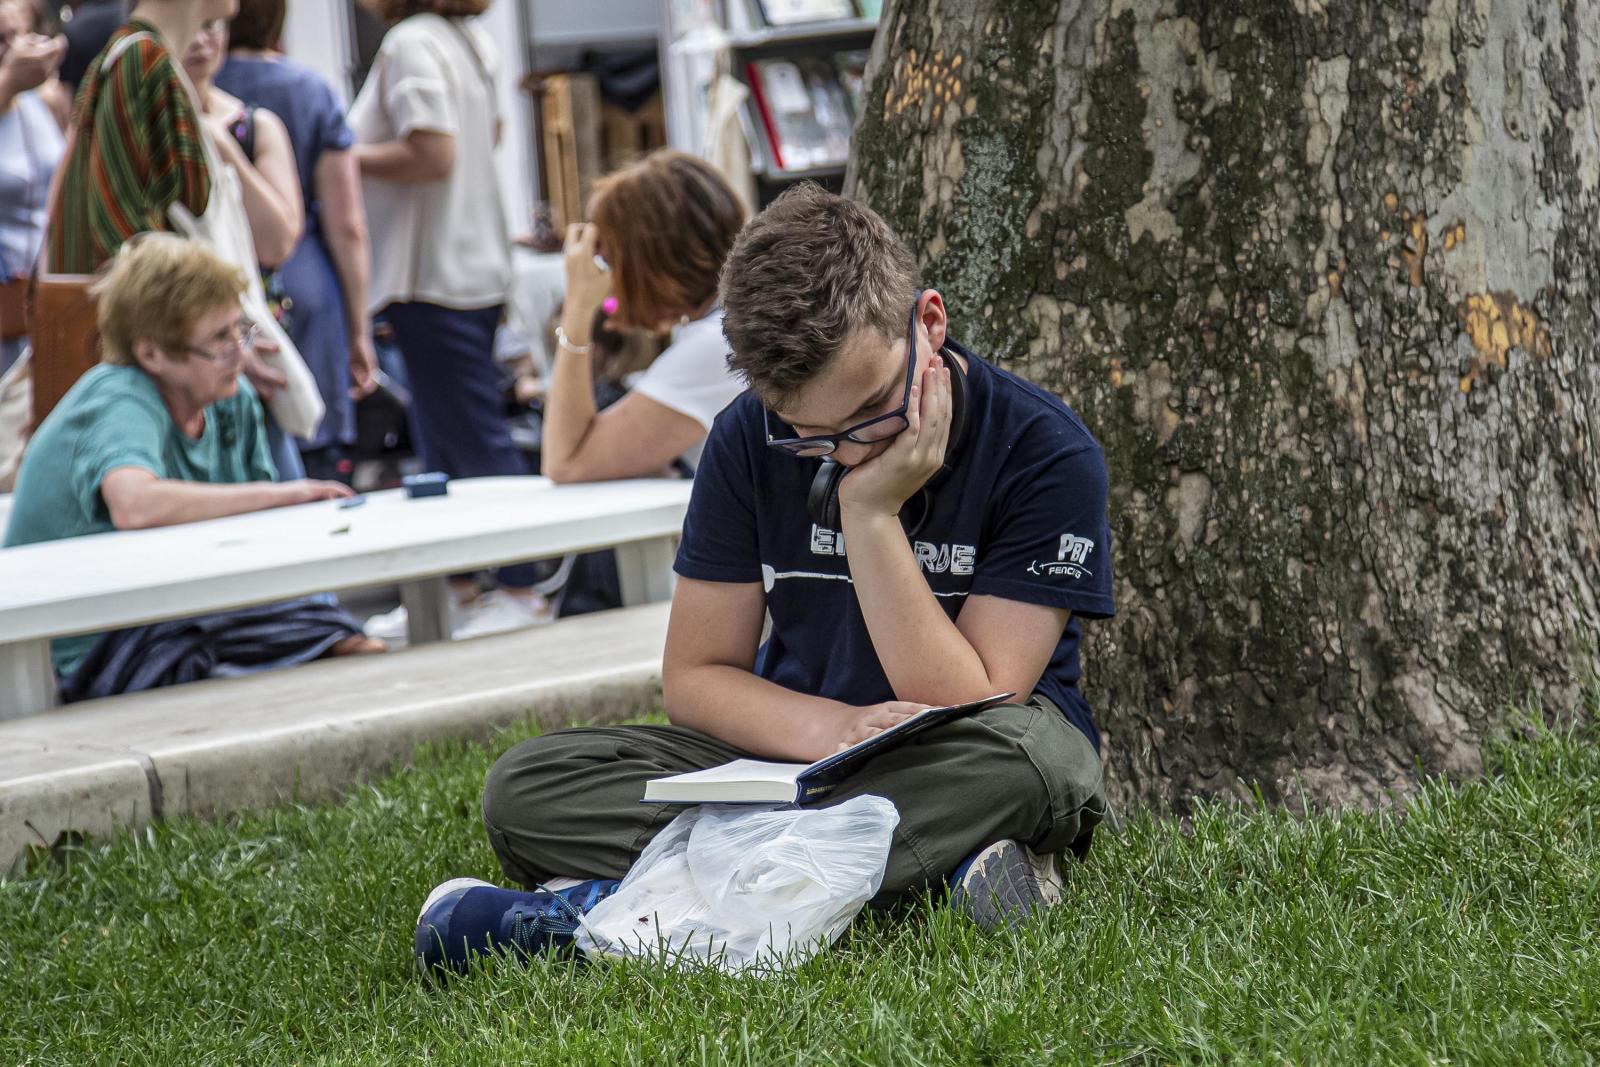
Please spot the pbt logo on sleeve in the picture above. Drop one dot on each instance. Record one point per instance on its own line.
(1071, 556)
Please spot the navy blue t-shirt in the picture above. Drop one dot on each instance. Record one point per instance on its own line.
(1021, 515)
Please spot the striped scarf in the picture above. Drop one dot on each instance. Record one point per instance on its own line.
(136, 150)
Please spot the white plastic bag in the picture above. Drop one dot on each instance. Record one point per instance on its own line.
(736, 887)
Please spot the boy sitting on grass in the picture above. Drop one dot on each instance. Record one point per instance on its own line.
(973, 508)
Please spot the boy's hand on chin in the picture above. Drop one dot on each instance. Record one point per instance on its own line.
(883, 484)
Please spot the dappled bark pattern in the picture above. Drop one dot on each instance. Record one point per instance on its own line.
(1321, 276)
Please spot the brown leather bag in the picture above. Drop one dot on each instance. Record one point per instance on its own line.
(66, 337)
(13, 309)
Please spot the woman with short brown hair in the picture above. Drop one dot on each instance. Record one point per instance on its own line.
(660, 230)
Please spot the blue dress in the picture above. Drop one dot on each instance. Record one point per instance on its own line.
(317, 322)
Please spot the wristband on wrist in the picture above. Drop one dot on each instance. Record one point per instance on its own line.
(577, 350)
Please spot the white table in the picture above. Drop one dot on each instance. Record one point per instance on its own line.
(110, 581)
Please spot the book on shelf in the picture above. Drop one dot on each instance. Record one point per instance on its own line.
(748, 781)
(766, 145)
(804, 111)
(799, 12)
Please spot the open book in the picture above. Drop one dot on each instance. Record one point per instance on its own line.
(748, 781)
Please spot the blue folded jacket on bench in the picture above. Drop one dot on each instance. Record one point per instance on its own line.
(223, 644)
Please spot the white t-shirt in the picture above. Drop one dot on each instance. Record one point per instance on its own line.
(692, 376)
(443, 242)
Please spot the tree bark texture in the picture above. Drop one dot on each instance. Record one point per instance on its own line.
(1322, 277)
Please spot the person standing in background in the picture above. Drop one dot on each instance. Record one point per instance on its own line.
(254, 144)
(34, 17)
(253, 141)
(426, 123)
(30, 148)
(134, 150)
(134, 147)
(325, 278)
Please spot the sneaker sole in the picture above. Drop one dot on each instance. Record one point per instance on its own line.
(1008, 883)
(444, 889)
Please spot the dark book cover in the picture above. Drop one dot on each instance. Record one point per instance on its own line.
(821, 777)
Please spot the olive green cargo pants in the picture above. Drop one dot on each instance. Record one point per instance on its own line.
(568, 803)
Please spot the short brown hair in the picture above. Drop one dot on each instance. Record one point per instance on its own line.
(258, 25)
(395, 10)
(667, 222)
(157, 287)
(806, 274)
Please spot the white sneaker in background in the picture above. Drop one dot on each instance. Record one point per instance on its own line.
(498, 611)
(392, 627)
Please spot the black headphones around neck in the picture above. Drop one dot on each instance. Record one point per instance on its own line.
(822, 500)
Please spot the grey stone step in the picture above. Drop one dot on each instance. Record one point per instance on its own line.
(309, 733)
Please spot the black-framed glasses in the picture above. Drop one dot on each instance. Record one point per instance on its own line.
(878, 428)
(239, 341)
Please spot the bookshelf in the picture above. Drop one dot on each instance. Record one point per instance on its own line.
(798, 114)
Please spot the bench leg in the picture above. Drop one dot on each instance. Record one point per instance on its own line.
(27, 679)
(427, 602)
(644, 570)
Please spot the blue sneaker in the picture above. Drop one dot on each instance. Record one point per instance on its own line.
(1005, 883)
(465, 917)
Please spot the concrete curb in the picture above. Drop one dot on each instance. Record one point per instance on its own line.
(308, 734)
(95, 797)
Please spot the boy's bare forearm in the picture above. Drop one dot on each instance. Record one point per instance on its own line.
(734, 705)
(924, 654)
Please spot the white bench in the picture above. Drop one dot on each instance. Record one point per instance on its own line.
(235, 744)
(110, 581)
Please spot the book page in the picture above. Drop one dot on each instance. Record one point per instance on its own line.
(740, 770)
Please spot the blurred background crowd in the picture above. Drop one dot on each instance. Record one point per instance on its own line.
(334, 302)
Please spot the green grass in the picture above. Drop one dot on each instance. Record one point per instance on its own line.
(1461, 928)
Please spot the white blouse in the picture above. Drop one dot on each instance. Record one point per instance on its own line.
(692, 376)
(443, 242)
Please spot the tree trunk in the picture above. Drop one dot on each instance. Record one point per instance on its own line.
(1322, 277)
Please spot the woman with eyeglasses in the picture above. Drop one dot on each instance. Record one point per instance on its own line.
(165, 431)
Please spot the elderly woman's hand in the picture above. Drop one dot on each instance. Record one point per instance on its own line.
(307, 490)
(588, 283)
